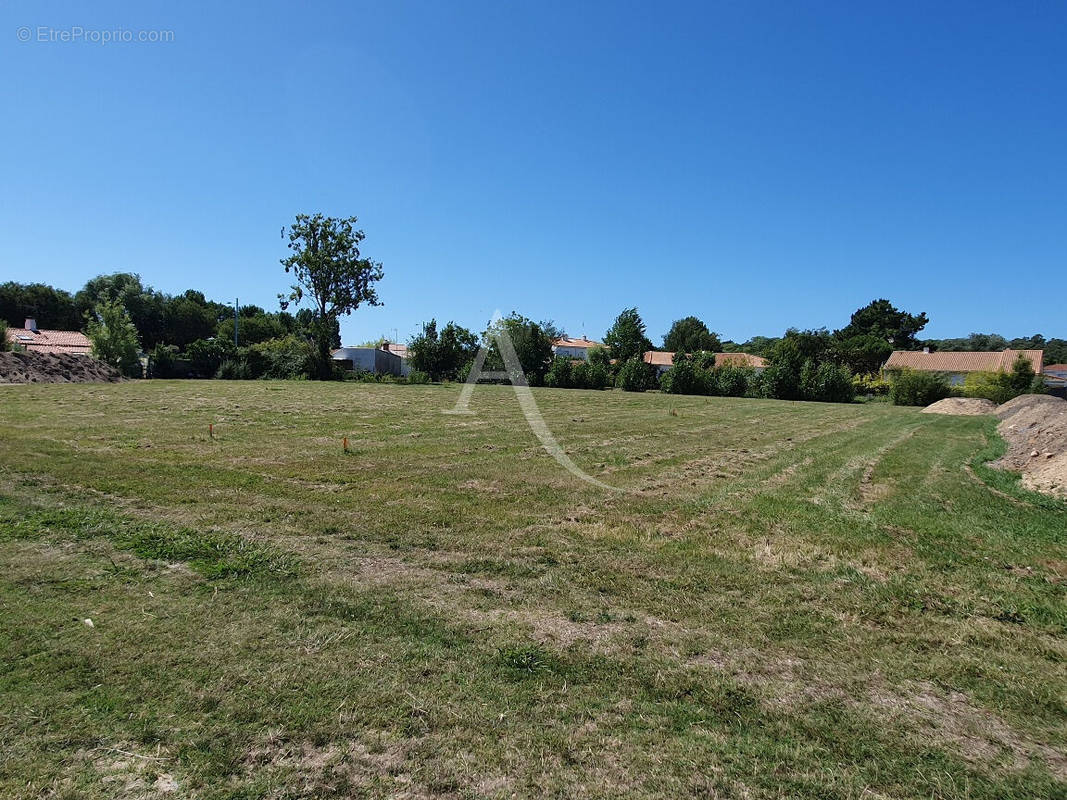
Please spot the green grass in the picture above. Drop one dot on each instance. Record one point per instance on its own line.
(788, 600)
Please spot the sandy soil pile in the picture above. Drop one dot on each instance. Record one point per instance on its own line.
(1035, 428)
(964, 406)
(59, 368)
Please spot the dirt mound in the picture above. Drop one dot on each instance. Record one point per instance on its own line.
(1035, 428)
(57, 368)
(964, 406)
(1042, 403)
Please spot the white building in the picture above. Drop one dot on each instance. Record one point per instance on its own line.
(574, 348)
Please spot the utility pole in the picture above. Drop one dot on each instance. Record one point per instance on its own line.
(236, 306)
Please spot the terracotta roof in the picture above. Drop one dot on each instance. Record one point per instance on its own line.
(40, 341)
(662, 358)
(739, 360)
(658, 358)
(947, 361)
(395, 347)
(583, 342)
(1056, 368)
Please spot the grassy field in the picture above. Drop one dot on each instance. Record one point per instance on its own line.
(789, 600)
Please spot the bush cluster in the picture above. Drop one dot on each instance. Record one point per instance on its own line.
(286, 358)
(699, 375)
(564, 373)
(803, 368)
(1000, 387)
(909, 387)
(916, 388)
(636, 376)
(872, 384)
(826, 383)
(418, 377)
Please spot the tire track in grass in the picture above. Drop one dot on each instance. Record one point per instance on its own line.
(819, 451)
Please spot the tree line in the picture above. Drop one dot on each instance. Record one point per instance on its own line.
(820, 365)
(169, 328)
(188, 335)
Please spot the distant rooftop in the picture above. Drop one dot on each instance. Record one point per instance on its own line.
(959, 361)
(566, 341)
(663, 358)
(35, 340)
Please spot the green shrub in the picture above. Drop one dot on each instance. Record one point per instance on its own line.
(685, 377)
(4, 344)
(829, 383)
(995, 386)
(560, 374)
(873, 384)
(285, 358)
(114, 337)
(1022, 375)
(731, 381)
(288, 358)
(636, 376)
(598, 377)
(161, 360)
(207, 355)
(1000, 387)
(780, 382)
(579, 376)
(233, 369)
(599, 356)
(418, 377)
(909, 387)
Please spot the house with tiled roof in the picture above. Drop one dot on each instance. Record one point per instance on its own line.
(663, 360)
(574, 348)
(957, 365)
(395, 347)
(35, 340)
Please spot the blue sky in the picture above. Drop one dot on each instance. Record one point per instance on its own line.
(760, 165)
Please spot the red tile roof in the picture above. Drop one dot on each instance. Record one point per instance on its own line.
(662, 358)
(395, 347)
(739, 360)
(658, 358)
(1056, 368)
(41, 341)
(583, 342)
(947, 361)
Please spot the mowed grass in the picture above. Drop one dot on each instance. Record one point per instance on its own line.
(787, 600)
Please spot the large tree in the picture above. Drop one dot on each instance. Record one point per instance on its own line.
(189, 317)
(864, 354)
(532, 347)
(626, 338)
(113, 336)
(882, 319)
(690, 335)
(552, 330)
(442, 354)
(51, 308)
(145, 305)
(329, 269)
